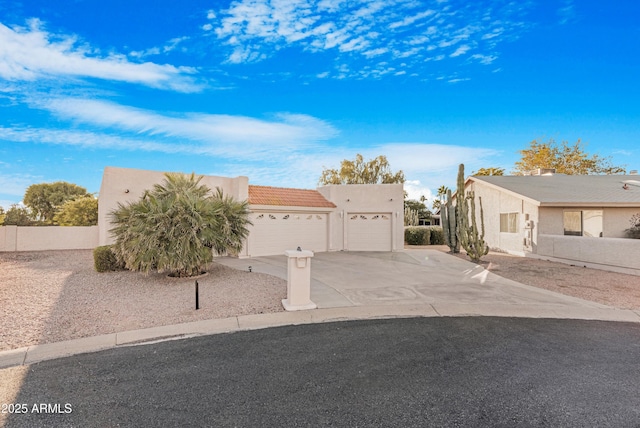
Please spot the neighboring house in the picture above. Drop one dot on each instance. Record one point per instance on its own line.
(364, 217)
(578, 219)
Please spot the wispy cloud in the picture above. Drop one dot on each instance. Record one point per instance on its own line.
(567, 12)
(14, 185)
(170, 46)
(32, 53)
(389, 30)
(281, 129)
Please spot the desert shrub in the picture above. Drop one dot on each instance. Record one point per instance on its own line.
(416, 235)
(634, 231)
(436, 235)
(105, 260)
(177, 226)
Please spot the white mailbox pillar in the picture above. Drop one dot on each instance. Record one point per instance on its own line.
(298, 281)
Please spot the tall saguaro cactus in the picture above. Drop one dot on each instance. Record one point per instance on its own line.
(471, 239)
(449, 224)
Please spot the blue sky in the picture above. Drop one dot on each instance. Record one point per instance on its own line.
(277, 90)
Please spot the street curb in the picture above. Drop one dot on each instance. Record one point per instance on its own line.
(49, 351)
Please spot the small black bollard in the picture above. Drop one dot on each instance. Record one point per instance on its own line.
(197, 302)
(249, 268)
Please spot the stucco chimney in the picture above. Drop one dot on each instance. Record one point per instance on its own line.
(542, 171)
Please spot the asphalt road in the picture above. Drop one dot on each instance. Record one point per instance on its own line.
(402, 372)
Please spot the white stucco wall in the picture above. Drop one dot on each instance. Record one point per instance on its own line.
(616, 254)
(364, 198)
(495, 202)
(127, 185)
(42, 238)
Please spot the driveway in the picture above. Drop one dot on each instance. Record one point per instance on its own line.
(416, 276)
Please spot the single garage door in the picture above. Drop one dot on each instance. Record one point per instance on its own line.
(275, 232)
(369, 232)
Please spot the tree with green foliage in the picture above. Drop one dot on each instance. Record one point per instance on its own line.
(359, 171)
(45, 199)
(1, 216)
(489, 171)
(176, 227)
(18, 216)
(78, 212)
(565, 159)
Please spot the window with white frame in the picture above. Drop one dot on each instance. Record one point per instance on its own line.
(509, 222)
(583, 223)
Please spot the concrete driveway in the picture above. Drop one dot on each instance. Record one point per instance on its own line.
(420, 276)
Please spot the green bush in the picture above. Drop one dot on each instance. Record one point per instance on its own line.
(633, 233)
(416, 235)
(436, 235)
(105, 260)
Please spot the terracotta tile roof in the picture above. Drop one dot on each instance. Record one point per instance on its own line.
(281, 196)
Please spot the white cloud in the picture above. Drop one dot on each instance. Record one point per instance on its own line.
(460, 51)
(211, 133)
(484, 59)
(171, 45)
(257, 29)
(14, 185)
(411, 19)
(567, 12)
(415, 189)
(29, 54)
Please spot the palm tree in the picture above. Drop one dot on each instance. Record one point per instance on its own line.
(177, 226)
(442, 190)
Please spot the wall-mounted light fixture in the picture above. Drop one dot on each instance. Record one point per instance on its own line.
(126, 190)
(348, 200)
(391, 200)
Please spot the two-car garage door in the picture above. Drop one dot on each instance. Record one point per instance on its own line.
(275, 232)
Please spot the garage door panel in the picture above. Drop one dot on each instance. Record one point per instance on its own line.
(369, 231)
(273, 233)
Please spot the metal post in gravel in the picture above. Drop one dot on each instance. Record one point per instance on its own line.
(197, 300)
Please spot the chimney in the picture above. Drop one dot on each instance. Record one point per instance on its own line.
(542, 171)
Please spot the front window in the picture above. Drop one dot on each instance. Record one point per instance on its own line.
(509, 222)
(583, 223)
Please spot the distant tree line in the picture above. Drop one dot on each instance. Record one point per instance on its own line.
(53, 204)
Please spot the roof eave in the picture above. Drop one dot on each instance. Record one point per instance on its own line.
(532, 201)
(283, 208)
(590, 204)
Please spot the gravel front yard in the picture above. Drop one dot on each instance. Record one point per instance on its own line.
(57, 295)
(51, 296)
